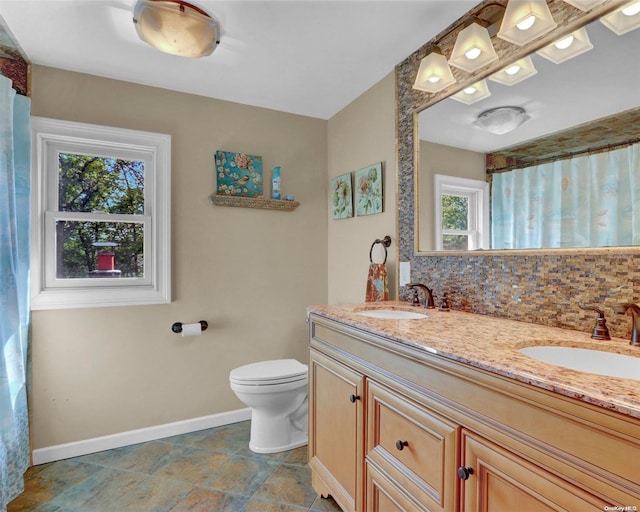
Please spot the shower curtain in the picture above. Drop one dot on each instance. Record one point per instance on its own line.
(585, 201)
(15, 149)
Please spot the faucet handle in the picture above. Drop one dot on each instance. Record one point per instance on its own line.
(444, 304)
(600, 330)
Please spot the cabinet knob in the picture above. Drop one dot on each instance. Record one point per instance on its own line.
(465, 472)
(353, 398)
(401, 444)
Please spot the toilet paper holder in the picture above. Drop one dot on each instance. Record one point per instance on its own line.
(177, 327)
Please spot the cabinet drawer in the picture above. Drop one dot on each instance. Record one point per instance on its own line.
(384, 496)
(413, 445)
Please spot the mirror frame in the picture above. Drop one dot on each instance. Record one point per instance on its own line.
(411, 102)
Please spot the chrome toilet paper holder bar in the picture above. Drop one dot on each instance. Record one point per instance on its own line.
(177, 327)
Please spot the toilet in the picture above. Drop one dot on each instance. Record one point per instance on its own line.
(276, 392)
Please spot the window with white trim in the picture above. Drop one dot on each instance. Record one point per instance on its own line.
(461, 213)
(101, 216)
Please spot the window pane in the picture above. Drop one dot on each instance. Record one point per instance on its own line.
(99, 249)
(89, 183)
(455, 242)
(455, 212)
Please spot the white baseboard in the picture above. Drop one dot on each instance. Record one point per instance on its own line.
(98, 444)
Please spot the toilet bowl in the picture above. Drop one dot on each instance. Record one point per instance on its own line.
(276, 392)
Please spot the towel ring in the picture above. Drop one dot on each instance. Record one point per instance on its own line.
(386, 242)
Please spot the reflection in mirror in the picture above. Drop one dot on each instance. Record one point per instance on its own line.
(602, 82)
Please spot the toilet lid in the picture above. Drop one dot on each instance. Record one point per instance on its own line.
(266, 371)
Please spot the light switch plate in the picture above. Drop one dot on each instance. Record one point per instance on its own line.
(405, 272)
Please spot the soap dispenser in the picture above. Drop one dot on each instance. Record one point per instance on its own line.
(275, 183)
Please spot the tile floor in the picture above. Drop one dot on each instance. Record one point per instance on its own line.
(207, 471)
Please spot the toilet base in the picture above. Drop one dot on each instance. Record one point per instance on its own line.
(298, 439)
(273, 434)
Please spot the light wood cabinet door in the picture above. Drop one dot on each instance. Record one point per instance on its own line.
(335, 430)
(414, 445)
(498, 480)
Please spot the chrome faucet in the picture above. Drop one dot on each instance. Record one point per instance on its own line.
(622, 309)
(428, 294)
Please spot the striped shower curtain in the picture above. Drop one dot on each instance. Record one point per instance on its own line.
(15, 148)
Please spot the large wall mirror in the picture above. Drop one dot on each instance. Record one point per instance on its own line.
(580, 112)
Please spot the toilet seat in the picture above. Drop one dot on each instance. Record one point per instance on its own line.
(267, 373)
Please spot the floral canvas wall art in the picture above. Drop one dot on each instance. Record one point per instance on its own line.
(369, 190)
(342, 196)
(238, 174)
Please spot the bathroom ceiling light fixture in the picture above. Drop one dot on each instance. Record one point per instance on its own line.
(568, 47)
(623, 20)
(176, 27)
(434, 73)
(525, 21)
(473, 93)
(472, 49)
(515, 73)
(584, 5)
(501, 120)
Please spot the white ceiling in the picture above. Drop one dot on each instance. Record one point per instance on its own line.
(309, 57)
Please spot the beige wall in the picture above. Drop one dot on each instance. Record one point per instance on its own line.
(363, 133)
(250, 273)
(439, 159)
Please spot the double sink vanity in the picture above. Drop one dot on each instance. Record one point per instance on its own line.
(424, 410)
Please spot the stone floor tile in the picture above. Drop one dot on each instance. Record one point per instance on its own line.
(288, 484)
(325, 505)
(208, 500)
(99, 491)
(240, 475)
(191, 465)
(50, 481)
(153, 495)
(258, 505)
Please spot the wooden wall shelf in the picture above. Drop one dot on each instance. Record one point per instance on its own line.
(253, 202)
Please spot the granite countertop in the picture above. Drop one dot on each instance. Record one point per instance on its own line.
(492, 344)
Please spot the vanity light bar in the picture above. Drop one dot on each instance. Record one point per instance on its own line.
(473, 93)
(525, 21)
(515, 73)
(568, 47)
(584, 5)
(434, 73)
(473, 49)
(623, 20)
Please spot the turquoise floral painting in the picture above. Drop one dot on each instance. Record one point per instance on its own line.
(369, 190)
(238, 174)
(342, 196)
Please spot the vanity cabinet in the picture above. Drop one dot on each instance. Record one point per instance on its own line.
(335, 430)
(428, 434)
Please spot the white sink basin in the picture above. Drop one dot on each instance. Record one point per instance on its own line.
(585, 360)
(392, 314)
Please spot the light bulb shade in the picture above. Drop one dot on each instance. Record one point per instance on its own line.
(515, 73)
(623, 20)
(434, 73)
(473, 93)
(584, 5)
(176, 27)
(501, 120)
(580, 44)
(523, 13)
(473, 38)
